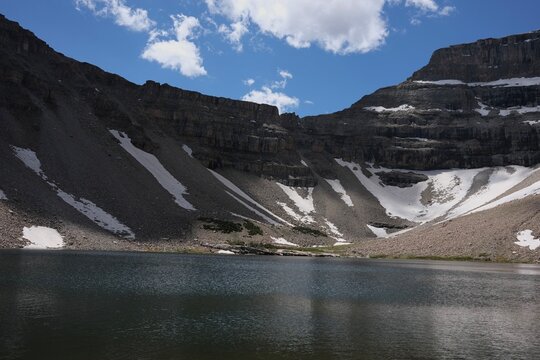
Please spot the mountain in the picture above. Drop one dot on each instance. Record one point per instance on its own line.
(443, 164)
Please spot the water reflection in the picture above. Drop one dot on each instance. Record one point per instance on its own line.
(147, 306)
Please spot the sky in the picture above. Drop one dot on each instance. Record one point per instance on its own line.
(305, 56)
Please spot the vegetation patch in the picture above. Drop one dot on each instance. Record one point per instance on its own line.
(309, 231)
(223, 226)
(252, 229)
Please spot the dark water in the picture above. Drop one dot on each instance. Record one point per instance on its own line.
(66, 305)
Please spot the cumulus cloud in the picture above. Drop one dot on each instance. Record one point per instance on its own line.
(282, 84)
(249, 82)
(429, 7)
(180, 53)
(234, 33)
(133, 19)
(266, 95)
(447, 10)
(426, 5)
(341, 27)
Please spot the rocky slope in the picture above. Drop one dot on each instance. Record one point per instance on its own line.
(113, 165)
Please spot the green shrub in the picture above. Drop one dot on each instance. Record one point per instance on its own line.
(252, 229)
(222, 226)
(309, 231)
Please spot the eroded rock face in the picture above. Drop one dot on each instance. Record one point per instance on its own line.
(401, 179)
(420, 124)
(413, 125)
(486, 60)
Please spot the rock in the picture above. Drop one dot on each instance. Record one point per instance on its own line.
(401, 179)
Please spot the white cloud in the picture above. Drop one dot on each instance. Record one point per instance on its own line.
(266, 95)
(426, 5)
(337, 26)
(447, 10)
(133, 19)
(181, 53)
(282, 84)
(285, 74)
(234, 33)
(309, 102)
(249, 82)
(342, 27)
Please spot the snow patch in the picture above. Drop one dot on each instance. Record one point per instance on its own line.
(304, 204)
(306, 219)
(519, 110)
(381, 109)
(532, 122)
(84, 206)
(304, 163)
(500, 181)
(282, 241)
(338, 188)
(446, 192)
(440, 82)
(526, 239)
(42, 237)
(3, 195)
(225, 252)
(30, 159)
(246, 197)
(96, 214)
(338, 235)
(339, 243)
(513, 82)
(445, 188)
(188, 150)
(333, 228)
(152, 164)
(378, 231)
(484, 110)
(533, 189)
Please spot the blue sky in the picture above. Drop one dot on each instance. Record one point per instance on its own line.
(306, 56)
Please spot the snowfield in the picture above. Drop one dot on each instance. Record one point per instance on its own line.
(500, 181)
(239, 193)
(513, 82)
(382, 109)
(339, 189)
(158, 171)
(304, 204)
(225, 252)
(519, 110)
(378, 231)
(282, 241)
(526, 239)
(188, 150)
(446, 194)
(84, 206)
(42, 237)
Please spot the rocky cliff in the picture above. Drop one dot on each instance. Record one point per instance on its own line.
(88, 152)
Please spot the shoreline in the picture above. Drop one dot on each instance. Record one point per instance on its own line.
(211, 249)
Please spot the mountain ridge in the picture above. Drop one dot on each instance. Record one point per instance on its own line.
(118, 158)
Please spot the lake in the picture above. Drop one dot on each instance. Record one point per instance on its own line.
(99, 305)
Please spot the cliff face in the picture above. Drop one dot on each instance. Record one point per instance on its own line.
(437, 126)
(464, 109)
(99, 158)
(485, 60)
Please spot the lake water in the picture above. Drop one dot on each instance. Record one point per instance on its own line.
(75, 305)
